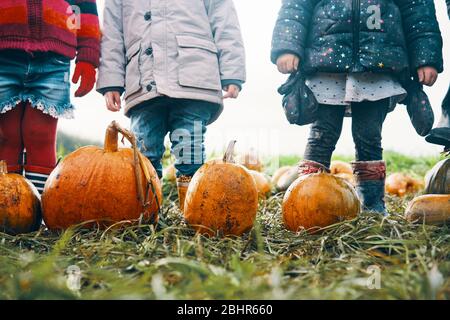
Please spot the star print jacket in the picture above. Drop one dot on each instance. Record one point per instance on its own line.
(359, 35)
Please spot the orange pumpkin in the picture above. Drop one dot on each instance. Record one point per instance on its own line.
(318, 200)
(20, 208)
(278, 174)
(287, 179)
(431, 209)
(222, 198)
(400, 184)
(251, 161)
(105, 185)
(347, 176)
(262, 183)
(339, 167)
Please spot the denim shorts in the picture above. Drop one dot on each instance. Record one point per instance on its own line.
(41, 78)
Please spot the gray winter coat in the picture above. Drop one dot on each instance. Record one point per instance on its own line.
(177, 48)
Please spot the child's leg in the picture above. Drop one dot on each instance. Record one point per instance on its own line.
(149, 124)
(187, 122)
(369, 169)
(324, 135)
(11, 145)
(368, 118)
(39, 138)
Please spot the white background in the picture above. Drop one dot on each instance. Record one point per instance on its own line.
(256, 119)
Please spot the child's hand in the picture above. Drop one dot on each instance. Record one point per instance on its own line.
(113, 102)
(427, 75)
(86, 72)
(232, 91)
(288, 63)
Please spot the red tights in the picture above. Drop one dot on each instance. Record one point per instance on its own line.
(26, 128)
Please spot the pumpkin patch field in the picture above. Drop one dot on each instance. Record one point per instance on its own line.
(367, 257)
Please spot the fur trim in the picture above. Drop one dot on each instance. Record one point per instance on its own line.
(56, 111)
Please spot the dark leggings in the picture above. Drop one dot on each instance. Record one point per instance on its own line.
(367, 123)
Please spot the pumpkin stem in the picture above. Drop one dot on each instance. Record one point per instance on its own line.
(112, 137)
(228, 157)
(3, 167)
(112, 145)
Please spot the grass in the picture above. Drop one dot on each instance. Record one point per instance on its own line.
(172, 262)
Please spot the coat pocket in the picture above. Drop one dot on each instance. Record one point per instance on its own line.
(133, 73)
(198, 63)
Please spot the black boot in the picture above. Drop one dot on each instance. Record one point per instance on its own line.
(441, 134)
(370, 177)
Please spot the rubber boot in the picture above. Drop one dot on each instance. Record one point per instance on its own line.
(309, 166)
(441, 134)
(370, 179)
(182, 185)
(37, 176)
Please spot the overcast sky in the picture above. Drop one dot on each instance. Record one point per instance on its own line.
(256, 119)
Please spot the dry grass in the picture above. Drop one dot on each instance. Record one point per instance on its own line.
(171, 262)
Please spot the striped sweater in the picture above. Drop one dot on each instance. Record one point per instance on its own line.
(69, 28)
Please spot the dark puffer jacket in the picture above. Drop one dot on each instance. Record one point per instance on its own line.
(323, 35)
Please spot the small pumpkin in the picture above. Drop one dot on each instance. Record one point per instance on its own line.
(347, 176)
(262, 183)
(20, 207)
(278, 173)
(105, 185)
(431, 209)
(438, 178)
(400, 184)
(318, 200)
(222, 197)
(287, 179)
(339, 167)
(251, 161)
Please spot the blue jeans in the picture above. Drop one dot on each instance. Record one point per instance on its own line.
(42, 78)
(186, 122)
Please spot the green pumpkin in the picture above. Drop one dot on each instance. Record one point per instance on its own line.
(438, 178)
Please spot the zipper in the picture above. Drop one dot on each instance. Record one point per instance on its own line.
(356, 10)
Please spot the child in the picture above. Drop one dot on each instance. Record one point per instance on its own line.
(441, 134)
(37, 41)
(354, 54)
(172, 58)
